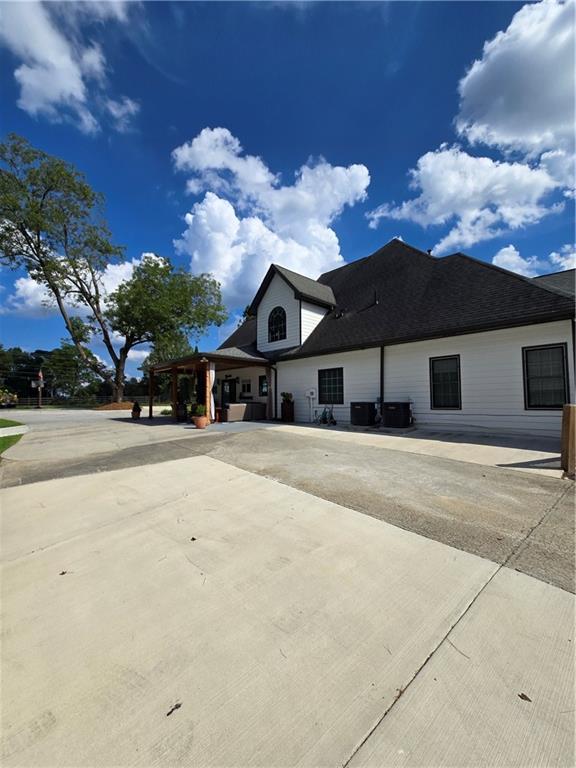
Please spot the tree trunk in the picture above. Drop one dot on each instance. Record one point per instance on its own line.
(118, 384)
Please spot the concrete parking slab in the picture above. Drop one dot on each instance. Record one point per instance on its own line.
(192, 613)
(68, 435)
(498, 692)
(534, 454)
(488, 511)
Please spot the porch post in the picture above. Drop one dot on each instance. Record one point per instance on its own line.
(151, 393)
(174, 392)
(208, 393)
(269, 396)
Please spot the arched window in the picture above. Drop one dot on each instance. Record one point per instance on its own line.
(277, 324)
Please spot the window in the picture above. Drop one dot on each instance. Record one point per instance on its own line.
(246, 386)
(331, 386)
(445, 382)
(263, 386)
(545, 376)
(277, 324)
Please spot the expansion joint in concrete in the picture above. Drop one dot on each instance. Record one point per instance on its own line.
(444, 639)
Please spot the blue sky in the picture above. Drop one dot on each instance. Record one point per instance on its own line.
(342, 126)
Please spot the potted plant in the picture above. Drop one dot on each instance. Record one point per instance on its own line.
(287, 407)
(136, 409)
(200, 418)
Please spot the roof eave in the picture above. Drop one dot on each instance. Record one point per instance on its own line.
(375, 343)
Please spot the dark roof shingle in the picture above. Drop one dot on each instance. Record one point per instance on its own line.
(559, 281)
(401, 294)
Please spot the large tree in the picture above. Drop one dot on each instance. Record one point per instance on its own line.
(52, 225)
(69, 372)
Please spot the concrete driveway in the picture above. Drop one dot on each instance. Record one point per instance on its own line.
(467, 495)
(190, 612)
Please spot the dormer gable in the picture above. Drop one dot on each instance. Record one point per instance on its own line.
(288, 306)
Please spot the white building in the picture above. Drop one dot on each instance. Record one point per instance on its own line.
(467, 344)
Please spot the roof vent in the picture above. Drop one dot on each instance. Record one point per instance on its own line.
(429, 251)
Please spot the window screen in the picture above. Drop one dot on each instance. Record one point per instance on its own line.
(331, 386)
(277, 324)
(445, 382)
(545, 380)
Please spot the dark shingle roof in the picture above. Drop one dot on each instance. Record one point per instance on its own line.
(559, 281)
(401, 294)
(303, 287)
(243, 338)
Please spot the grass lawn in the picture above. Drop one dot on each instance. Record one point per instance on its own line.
(7, 441)
(9, 423)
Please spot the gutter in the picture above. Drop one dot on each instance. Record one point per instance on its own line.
(375, 343)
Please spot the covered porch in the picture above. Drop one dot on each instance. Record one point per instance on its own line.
(232, 385)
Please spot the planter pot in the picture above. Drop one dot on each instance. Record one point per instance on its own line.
(287, 410)
(201, 422)
(135, 414)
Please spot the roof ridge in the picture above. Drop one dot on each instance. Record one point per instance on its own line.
(293, 272)
(377, 253)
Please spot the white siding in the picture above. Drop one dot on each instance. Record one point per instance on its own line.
(279, 294)
(310, 317)
(492, 383)
(361, 381)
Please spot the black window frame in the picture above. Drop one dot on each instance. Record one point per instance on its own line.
(263, 380)
(271, 332)
(431, 377)
(330, 401)
(560, 345)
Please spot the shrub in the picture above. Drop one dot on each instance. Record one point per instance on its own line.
(200, 410)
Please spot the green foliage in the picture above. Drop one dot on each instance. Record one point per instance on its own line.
(69, 370)
(7, 442)
(53, 227)
(19, 368)
(200, 410)
(161, 303)
(169, 347)
(287, 397)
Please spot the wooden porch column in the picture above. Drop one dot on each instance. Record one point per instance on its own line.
(208, 394)
(174, 392)
(269, 397)
(150, 393)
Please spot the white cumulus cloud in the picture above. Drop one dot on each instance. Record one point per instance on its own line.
(478, 196)
(61, 76)
(565, 258)
(248, 218)
(510, 258)
(517, 98)
(32, 299)
(520, 94)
